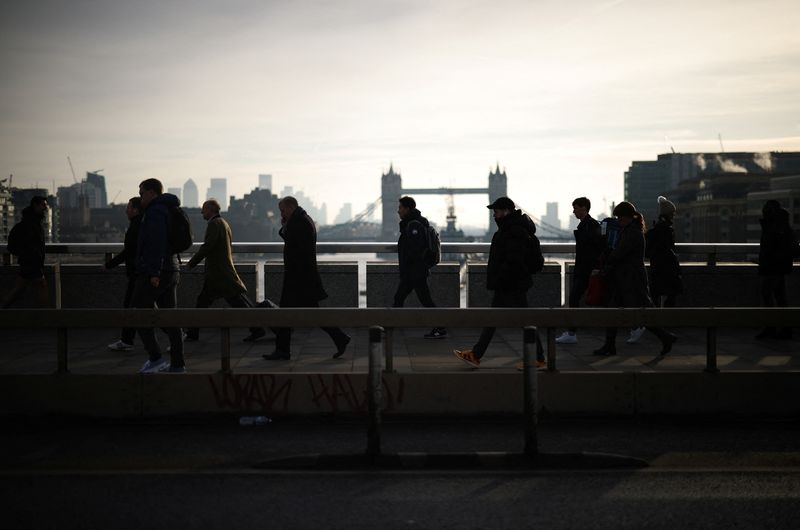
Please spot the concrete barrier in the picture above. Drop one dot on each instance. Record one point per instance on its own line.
(546, 290)
(340, 281)
(383, 279)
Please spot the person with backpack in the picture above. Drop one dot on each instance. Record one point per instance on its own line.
(776, 252)
(417, 252)
(162, 235)
(512, 259)
(128, 257)
(220, 277)
(26, 241)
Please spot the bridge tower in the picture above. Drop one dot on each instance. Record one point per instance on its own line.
(391, 191)
(498, 187)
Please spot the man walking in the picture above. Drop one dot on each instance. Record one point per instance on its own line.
(412, 254)
(507, 273)
(157, 275)
(128, 257)
(589, 245)
(221, 279)
(26, 241)
(302, 285)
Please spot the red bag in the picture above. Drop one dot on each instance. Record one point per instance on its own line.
(597, 292)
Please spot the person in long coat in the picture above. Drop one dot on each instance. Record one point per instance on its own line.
(666, 282)
(221, 279)
(626, 276)
(27, 241)
(128, 257)
(776, 252)
(302, 284)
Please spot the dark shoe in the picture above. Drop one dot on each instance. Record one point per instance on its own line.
(277, 356)
(667, 342)
(605, 350)
(766, 333)
(341, 346)
(254, 335)
(436, 333)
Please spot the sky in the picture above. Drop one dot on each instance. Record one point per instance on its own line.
(325, 95)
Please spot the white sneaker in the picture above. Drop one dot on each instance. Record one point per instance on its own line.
(151, 367)
(636, 334)
(120, 346)
(567, 338)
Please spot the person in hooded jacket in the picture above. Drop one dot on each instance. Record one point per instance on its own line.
(27, 241)
(666, 282)
(412, 249)
(157, 275)
(128, 257)
(302, 285)
(627, 277)
(778, 248)
(507, 273)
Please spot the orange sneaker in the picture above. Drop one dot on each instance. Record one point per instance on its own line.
(468, 357)
(540, 365)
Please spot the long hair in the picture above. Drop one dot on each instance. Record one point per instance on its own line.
(627, 209)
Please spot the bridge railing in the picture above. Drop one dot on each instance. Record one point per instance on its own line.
(545, 320)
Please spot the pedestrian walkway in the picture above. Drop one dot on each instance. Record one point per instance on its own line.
(26, 352)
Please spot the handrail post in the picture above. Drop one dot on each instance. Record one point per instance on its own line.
(63, 361)
(530, 389)
(374, 391)
(551, 350)
(57, 282)
(225, 349)
(711, 350)
(388, 350)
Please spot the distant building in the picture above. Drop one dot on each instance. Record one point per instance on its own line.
(96, 190)
(21, 199)
(6, 211)
(218, 189)
(255, 217)
(551, 215)
(176, 192)
(191, 198)
(345, 214)
(265, 181)
(785, 190)
(318, 213)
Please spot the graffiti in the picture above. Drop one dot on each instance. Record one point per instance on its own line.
(336, 393)
(252, 392)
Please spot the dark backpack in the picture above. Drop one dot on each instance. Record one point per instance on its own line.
(179, 230)
(14, 244)
(433, 254)
(534, 259)
(610, 229)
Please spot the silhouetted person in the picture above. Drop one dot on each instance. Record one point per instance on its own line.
(157, 275)
(589, 246)
(775, 255)
(412, 252)
(26, 241)
(666, 282)
(626, 276)
(302, 285)
(220, 277)
(128, 257)
(507, 273)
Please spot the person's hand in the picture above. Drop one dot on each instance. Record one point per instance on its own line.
(154, 281)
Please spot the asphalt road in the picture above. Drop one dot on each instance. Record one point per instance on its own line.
(212, 474)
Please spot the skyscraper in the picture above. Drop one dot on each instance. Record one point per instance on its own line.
(265, 182)
(551, 215)
(218, 189)
(190, 197)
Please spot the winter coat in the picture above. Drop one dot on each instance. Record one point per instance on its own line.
(412, 247)
(665, 270)
(507, 269)
(589, 245)
(778, 244)
(221, 278)
(128, 254)
(624, 270)
(302, 284)
(153, 255)
(27, 240)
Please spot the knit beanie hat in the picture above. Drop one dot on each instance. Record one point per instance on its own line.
(665, 207)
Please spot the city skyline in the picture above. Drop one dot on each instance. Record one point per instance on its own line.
(325, 96)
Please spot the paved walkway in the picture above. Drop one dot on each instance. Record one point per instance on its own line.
(26, 352)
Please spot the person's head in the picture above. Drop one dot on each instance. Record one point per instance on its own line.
(626, 213)
(210, 209)
(770, 209)
(502, 206)
(149, 189)
(39, 204)
(581, 207)
(287, 206)
(666, 208)
(134, 207)
(406, 206)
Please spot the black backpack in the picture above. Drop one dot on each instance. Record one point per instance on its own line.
(433, 255)
(179, 230)
(14, 244)
(535, 259)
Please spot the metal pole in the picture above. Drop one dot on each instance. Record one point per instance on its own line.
(374, 391)
(711, 350)
(388, 350)
(57, 281)
(63, 367)
(225, 349)
(551, 349)
(530, 389)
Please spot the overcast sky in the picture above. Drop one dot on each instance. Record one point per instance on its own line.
(325, 94)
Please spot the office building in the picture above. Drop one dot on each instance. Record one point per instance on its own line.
(218, 189)
(191, 198)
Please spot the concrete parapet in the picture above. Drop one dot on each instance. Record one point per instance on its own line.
(383, 279)
(546, 290)
(8, 277)
(340, 281)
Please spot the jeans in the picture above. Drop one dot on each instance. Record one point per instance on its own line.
(165, 296)
(505, 299)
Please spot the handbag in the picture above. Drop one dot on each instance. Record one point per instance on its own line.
(597, 291)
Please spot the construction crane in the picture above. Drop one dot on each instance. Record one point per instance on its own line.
(72, 170)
